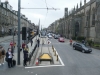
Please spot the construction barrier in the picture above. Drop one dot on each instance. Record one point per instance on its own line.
(31, 54)
(37, 62)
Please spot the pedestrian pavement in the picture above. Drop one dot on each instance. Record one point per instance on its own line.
(5, 38)
(4, 67)
(30, 50)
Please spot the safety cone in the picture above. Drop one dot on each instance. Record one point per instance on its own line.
(37, 62)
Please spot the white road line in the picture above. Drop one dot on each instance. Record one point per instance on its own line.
(62, 64)
(60, 58)
(43, 66)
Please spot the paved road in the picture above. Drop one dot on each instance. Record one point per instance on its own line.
(76, 63)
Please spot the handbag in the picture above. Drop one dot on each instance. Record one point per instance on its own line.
(6, 59)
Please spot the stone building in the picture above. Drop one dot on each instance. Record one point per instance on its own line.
(82, 21)
(9, 19)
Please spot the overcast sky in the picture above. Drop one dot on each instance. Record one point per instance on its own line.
(52, 15)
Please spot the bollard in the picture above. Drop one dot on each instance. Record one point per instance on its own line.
(57, 57)
(53, 49)
(54, 53)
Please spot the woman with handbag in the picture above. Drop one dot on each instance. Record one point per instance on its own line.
(9, 57)
(25, 57)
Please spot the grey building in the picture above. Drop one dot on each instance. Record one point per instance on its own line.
(9, 19)
(82, 21)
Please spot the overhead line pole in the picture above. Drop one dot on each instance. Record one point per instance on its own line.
(18, 55)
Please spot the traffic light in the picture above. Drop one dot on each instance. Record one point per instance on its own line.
(23, 33)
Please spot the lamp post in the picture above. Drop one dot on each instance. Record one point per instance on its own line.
(18, 54)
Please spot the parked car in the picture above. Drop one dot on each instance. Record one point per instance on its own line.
(56, 36)
(61, 39)
(81, 47)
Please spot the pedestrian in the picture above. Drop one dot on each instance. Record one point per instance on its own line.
(9, 56)
(25, 57)
(11, 46)
(23, 46)
(0, 56)
(14, 44)
(3, 55)
(27, 48)
(70, 41)
(38, 42)
(31, 42)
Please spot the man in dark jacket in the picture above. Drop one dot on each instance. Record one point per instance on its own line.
(9, 57)
(31, 41)
(25, 57)
(38, 42)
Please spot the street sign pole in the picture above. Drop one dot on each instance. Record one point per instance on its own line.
(18, 54)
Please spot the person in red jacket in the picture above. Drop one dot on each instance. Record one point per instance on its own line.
(23, 46)
(11, 46)
(70, 41)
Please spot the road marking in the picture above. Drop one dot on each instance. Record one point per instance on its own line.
(60, 58)
(43, 66)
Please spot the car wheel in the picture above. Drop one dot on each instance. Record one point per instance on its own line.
(74, 48)
(83, 51)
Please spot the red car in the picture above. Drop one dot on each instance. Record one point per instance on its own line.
(61, 39)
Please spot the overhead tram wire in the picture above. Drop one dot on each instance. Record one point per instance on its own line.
(52, 6)
(43, 8)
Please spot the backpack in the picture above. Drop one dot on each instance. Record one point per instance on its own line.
(3, 52)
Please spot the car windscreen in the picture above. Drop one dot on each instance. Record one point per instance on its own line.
(83, 45)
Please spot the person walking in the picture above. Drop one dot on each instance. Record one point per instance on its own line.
(70, 41)
(38, 42)
(31, 42)
(23, 46)
(0, 56)
(25, 57)
(3, 55)
(9, 56)
(11, 46)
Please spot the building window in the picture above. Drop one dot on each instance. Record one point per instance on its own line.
(93, 19)
(87, 19)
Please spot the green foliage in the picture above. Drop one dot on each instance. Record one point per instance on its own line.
(74, 38)
(80, 38)
(96, 44)
(90, 42)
